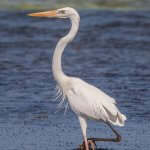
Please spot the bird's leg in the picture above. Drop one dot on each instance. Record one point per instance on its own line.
(85, 145)
(88, 143)
(83, 124)
(117, 139)
(91, 144)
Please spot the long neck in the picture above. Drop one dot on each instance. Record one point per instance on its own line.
(56, 63)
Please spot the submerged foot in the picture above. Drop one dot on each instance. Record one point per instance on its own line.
(91, 145)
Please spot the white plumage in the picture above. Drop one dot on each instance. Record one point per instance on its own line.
(86, 100)
(90, 102)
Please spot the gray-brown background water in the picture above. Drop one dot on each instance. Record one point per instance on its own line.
(111, 51)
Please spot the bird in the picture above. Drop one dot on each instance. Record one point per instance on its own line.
(86, 100)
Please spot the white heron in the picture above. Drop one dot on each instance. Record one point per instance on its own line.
(86, 100)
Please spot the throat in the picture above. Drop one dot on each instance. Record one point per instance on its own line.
(56, 63)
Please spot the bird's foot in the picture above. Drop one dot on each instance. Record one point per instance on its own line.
(91, 144)
(82, 146)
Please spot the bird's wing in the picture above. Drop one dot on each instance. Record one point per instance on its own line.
(87, 100)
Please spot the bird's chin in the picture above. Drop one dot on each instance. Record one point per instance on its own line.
(62, 17)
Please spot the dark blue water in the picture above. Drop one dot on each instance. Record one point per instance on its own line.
(110, 51)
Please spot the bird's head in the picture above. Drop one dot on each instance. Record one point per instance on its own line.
(66, 12)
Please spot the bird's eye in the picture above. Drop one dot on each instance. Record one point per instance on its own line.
(62, 11)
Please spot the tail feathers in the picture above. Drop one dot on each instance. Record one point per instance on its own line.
(124, 118)
(118, 119)
(121, 119)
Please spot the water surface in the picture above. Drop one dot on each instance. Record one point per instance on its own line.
(111, 51)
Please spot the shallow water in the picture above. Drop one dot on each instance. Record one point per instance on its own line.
(111, 51)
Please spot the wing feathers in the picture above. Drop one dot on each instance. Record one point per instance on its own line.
(93, 103)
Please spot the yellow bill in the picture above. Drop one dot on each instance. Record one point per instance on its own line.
(52, 13)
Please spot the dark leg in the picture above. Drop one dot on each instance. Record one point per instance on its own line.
(117, 139)
(91, 141)
(91, 145)
(82, 146)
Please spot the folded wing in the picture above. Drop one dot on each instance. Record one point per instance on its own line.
(88, 101)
